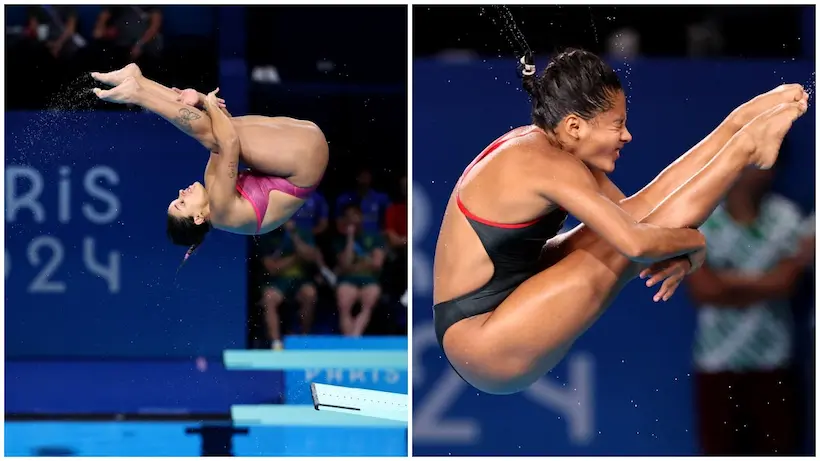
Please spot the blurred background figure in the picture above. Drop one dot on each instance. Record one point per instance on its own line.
(291, 264)
(314, 214)
(631, 386)
(360, 255)
(43, 42)
(746, 383)
(396, 233)
(124, 34)
(94, 288)
(372, 203)
(56, 28)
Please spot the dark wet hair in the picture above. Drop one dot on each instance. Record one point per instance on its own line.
(185, 232)
(574, 82)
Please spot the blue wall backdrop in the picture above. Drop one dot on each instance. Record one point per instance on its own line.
(89, 271)
(625, 388)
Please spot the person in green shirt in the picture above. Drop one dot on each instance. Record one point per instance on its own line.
(360, 257)
(290, 258)
(745, 384)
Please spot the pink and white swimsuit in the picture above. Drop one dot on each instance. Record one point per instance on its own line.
(256, 187)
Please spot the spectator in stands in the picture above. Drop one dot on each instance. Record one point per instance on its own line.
(313, 218)
(313, 215)
(396, 232)
(396, 219)
(126, 34)
(360, 256)
(40, 47)
(56, 27)
(290, 259)
(746, 391)
(372, 203)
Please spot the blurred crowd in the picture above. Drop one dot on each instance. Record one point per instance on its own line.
(52, 46)
(618, 32)
(339, 266)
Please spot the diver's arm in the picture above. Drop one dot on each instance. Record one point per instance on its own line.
(637, 206)
(222, 106)
(223, 193)
(576, 190)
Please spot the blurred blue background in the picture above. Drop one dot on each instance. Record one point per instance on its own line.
(110, 350)
(626, 387)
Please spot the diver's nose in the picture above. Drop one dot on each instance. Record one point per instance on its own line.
(626, 136)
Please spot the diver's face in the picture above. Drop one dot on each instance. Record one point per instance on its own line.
(190, 203)
(600, 140)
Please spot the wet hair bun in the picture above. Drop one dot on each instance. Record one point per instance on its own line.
(574, 82)
(528, 74)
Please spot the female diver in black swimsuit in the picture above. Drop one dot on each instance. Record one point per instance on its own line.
(511, 295)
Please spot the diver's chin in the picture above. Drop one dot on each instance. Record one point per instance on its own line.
(613, 161)
(608, 166)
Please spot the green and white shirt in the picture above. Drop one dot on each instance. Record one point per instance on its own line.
(758, 336)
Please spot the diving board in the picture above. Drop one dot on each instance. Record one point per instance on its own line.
(315, 358)
(305, 416)
(364, 402)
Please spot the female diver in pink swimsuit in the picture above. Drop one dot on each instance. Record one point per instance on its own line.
(287, 159)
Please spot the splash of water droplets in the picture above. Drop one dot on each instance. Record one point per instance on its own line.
(592, 22)
(56, 129)
(628, 71)
(810, 86)
(505, 24)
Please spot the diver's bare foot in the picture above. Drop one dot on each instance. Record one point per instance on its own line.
(792, 92)
(124, 93)
(118, 76)
(768, 130)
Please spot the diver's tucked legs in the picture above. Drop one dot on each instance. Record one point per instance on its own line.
(688, 164)
(692, 203)
(132, 70)
(190, 120)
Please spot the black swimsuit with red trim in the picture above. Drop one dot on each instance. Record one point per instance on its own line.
(514, 250)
